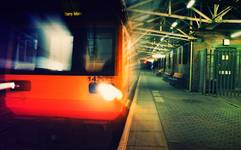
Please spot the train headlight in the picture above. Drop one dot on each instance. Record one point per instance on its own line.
(109, 92)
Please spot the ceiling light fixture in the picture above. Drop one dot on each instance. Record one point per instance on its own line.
(174, 24)
(236, 34)
(190, 3)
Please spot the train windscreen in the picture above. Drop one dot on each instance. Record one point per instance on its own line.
(52, 49)
(36, 39)
(99, 51)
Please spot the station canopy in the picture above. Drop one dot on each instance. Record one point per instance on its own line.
(162, 25)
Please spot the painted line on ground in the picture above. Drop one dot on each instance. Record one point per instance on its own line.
(159, 99)
(156, 93)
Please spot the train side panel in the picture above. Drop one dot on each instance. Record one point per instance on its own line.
(60, 96)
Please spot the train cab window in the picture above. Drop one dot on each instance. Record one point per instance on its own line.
(57, 48)
(25, 52)
(50, 50)
(99, 57)
(51, 47)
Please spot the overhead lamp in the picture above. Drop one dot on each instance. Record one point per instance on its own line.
(150, 60)
(226, 42)
(158, 55)
(174, 24)
(236, 34)
(190, 3)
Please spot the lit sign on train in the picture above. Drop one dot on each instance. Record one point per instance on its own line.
(72, 13)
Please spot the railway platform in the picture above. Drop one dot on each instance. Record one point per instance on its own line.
(168, 118)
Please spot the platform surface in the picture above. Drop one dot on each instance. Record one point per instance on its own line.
(175, 119)
(146, 131)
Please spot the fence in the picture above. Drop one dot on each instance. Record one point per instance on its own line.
(220, 71)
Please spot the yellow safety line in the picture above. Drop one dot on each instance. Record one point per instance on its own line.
(125, 135)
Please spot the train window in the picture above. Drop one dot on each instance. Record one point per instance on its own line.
(57, 48)
(4, 60)
(52, 48)
(25, 52)
(100, 51)
(51, 51)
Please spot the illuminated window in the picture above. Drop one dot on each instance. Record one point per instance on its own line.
(25, 52)
(52, 47)
(51, 51)
(226, 42)
(100, 50)
(57, 47)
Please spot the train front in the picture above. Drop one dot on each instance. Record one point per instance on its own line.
(64, 60)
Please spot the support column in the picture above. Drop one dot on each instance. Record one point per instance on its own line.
(191, 66)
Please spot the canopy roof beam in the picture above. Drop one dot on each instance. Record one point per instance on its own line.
(159, 35)
(201, 13)
(141, 3)
(166, 33)
(169, 15)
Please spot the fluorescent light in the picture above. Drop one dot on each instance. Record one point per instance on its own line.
(236, 34)
(156, 56)
(226, 42)
(150, 60)
(190, 3)
(174, 24)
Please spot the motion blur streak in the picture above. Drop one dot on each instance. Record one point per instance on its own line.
(9, 85)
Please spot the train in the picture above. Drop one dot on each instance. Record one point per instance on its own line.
(67, 59)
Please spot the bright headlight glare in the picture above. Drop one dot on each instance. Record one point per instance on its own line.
(8, 85)
(109, 92)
